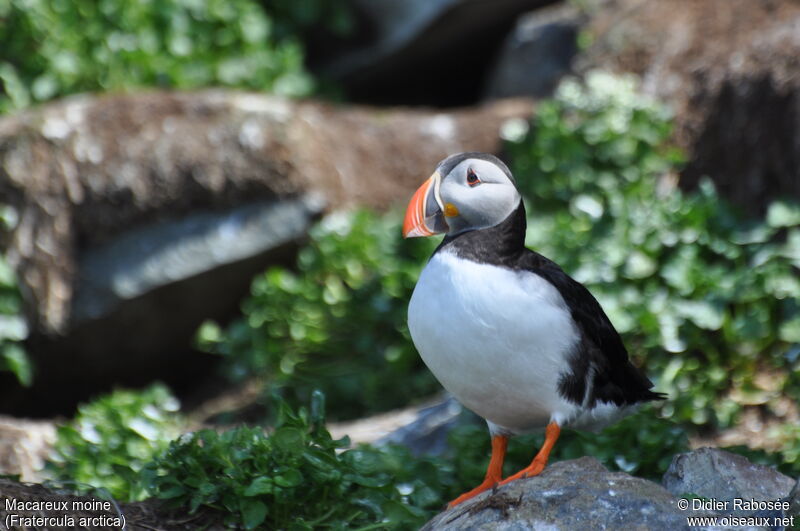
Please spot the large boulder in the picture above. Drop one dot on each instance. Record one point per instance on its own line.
(141, 215)
(576, 494)
(718, 475)
(731, 71)
(582, 494)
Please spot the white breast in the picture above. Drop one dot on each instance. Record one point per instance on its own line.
(496, 339)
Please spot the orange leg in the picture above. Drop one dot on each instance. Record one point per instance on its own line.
(538, 463)
(494, 473)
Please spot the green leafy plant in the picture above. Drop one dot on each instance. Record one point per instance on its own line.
(296, 478)
(110, 440)
(299, 477)
(13, 326)
(338, 323)
(51, 48)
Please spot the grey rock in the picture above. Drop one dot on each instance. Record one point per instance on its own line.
(576, 494)
(144, 259)
(423, 429)
(794, 501)
(431, 52)
(398, 22)
(716, 474)
(537, 54)
(427, 433)
(582, 494)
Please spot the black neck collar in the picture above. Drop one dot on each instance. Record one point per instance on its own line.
(499, 245)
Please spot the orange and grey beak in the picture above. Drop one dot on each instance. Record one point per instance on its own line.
(424, 216)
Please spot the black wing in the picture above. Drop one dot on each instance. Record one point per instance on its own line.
(601, 350)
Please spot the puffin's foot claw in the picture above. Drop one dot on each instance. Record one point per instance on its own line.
(483, 487)
(534, 469)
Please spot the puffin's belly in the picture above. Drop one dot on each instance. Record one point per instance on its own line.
(495, 338)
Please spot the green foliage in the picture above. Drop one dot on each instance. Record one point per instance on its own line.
(293, 17)
(111, 439)
(13, 327)
(710, 297)
(51, 48)
(339, 322)
(296, 478)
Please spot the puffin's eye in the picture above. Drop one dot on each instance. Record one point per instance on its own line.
(472, 178)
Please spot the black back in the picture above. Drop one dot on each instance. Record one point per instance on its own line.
(613, 378)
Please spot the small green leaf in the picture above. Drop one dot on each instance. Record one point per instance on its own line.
(588, 205)
(171, 492)
(254, 513)
(790, 330)
(16, 360)
(639, 265)
(289, 478)
(260, 485)
(702, 313)
(783, 214)
(290, 440)
(366, 481)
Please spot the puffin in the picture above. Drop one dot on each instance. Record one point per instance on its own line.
(505, 330)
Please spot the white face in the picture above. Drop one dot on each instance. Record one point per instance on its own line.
(476, 194)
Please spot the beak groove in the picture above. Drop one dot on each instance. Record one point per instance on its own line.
(424, 215)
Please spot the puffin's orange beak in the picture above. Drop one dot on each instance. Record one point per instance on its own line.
(424, 215)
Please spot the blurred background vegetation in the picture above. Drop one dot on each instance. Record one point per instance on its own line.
(53, 48)
(705, 297)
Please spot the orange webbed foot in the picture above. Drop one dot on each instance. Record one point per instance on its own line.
(483, 487)
(494, 473)
(534, 469)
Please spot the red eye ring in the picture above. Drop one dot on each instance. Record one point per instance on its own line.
(472, 178)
